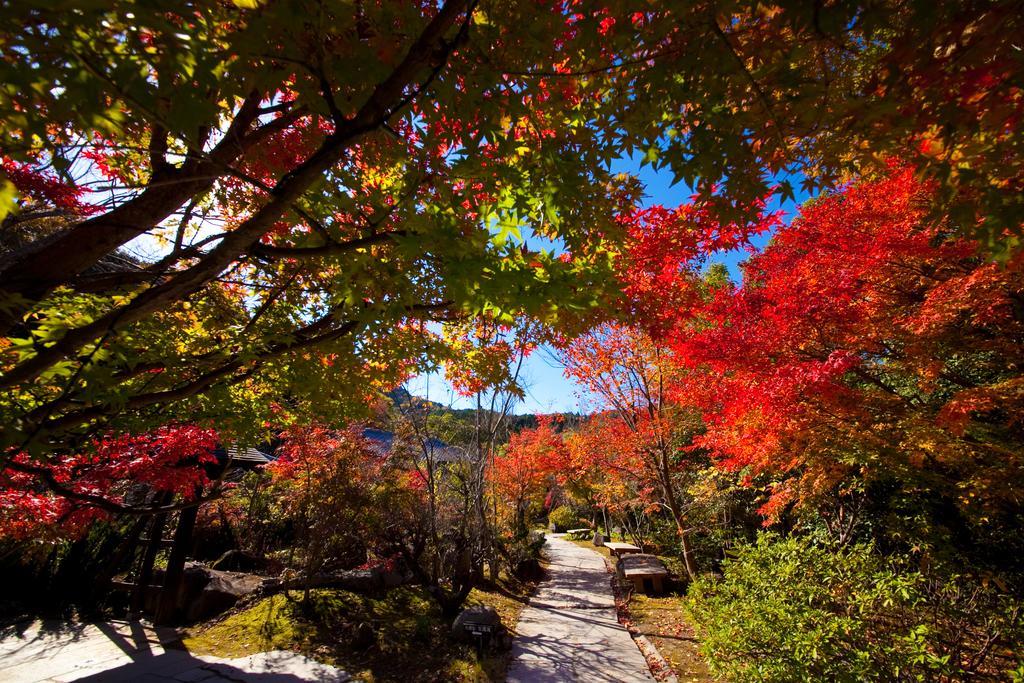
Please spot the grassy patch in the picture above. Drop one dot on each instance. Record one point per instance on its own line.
(399, 636)
(663, 620)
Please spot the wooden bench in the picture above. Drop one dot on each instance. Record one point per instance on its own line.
(619, 549)
(646, 572)
(579, 534)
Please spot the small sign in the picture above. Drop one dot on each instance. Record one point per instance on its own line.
(478, 629)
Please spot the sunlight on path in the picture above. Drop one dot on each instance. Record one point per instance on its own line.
(570, 632)
(108, 652)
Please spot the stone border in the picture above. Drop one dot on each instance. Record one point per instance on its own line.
(664, 671)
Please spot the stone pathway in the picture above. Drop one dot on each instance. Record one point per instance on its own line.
(109, 652)
(569, 632)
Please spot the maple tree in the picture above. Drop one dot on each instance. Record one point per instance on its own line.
(861, 383)
(590, 471)
(524, 470)
(114, 475)
(442, 533)
(644, 436)
(259, 214)
(867, 344)
(317, 210)
(329, 483)
(484, 359)
(330, 172)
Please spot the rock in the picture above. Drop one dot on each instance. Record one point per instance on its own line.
(207, 592)
(598, 539)
(479, 619)
(529, 570)
(364, 637)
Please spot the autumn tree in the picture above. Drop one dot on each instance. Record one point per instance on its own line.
(112, 476)
(485, 364)
(330, 483)
(644, 435)
(870, 347)
(306, 211)
(79, 517)
(526, 468)
(338, 170)
(441, 536)
(867, 366)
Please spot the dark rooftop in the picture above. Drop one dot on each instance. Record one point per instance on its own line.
(442, 452)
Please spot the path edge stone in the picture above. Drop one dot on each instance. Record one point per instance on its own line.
(650, 652)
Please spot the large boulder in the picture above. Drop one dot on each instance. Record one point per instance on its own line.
(207, 592)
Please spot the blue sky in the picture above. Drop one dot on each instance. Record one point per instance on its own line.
(547, 389)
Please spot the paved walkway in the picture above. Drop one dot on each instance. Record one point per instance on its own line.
(110, 652)
(570, 632)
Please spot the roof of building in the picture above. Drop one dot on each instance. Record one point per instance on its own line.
(248, 455)
(442, 452)
(239, 457)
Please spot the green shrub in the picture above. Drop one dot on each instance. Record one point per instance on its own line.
(788, 610)
(563, 518)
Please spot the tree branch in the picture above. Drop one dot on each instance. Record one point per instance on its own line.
(385, 100)
(50, 481)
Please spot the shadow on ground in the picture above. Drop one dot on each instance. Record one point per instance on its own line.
(34, 652)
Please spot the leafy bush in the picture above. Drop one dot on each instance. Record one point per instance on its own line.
(563, 518)
(521, 554)
(790, 610)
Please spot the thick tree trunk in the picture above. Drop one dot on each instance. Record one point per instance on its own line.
(450, 603)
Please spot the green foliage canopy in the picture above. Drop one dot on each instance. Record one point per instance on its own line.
(328, 176)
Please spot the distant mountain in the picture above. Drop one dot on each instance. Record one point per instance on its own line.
(517, 423)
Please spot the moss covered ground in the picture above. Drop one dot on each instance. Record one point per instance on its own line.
(397, 636)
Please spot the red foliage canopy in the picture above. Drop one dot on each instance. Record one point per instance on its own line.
(530, 461)
(66, 495)
(865, 339)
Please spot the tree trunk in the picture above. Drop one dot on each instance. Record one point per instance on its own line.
(450, 603)
(684, 537)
